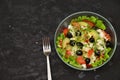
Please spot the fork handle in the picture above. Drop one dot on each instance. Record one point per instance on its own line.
(48, 68)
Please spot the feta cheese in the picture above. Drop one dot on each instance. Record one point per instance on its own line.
(83, 27)
(86, 48)
(91, 45)
(101, 48)
(93, 58)
(99, 41)
(100, 44)
(70, 27)
(71, 30)
(74, 38)
(84, 66)
(101, 33)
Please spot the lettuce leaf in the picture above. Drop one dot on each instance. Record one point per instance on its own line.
(100, 24)
(106, 56)
(93, 19)
(60, 36)
(61, 51)
(80, 18)
(85, 17)
(72, 61)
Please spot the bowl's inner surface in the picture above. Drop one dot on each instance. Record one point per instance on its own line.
(109, 29)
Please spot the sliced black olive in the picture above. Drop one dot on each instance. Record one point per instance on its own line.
(97, 53)
(92, 39)
(72, 42)
(69, 35)
(78, 33)
(87, 60)
(79, 44)
(108, 44)
(79, 52)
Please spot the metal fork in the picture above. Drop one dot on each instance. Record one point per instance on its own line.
(47, 51)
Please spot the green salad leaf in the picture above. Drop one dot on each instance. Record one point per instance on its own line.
(85, 17)
(60, 36)
(100, 25)
(93, 19)
(106, 56)
(72, 61)
(61, 51)
(80, 18)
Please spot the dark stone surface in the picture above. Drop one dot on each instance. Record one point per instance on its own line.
(24, 22)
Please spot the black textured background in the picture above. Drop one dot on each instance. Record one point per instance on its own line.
(24, 22)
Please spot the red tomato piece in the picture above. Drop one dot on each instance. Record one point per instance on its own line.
(65, 31)
(68, 53)
(90, 52)
(86, 40)
(89, 66)
(80, 60)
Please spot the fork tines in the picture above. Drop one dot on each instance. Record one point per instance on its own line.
(46, 44)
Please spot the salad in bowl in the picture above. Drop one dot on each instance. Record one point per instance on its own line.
(85, 41)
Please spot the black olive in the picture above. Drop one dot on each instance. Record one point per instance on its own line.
(72, 42)
(92, 39)
(97, 53)
(108, 44)
(87, 60)
(79, 44)
(69, 35)
(79, 52)
(78, 33)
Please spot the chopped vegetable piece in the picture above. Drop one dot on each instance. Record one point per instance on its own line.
(68, 53)
(65, 31)
(100, 25)
(80, 60)
(90, 52)
(93, 19)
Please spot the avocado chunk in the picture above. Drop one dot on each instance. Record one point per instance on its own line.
(65, 42)
(94, 34)
(83, 23)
